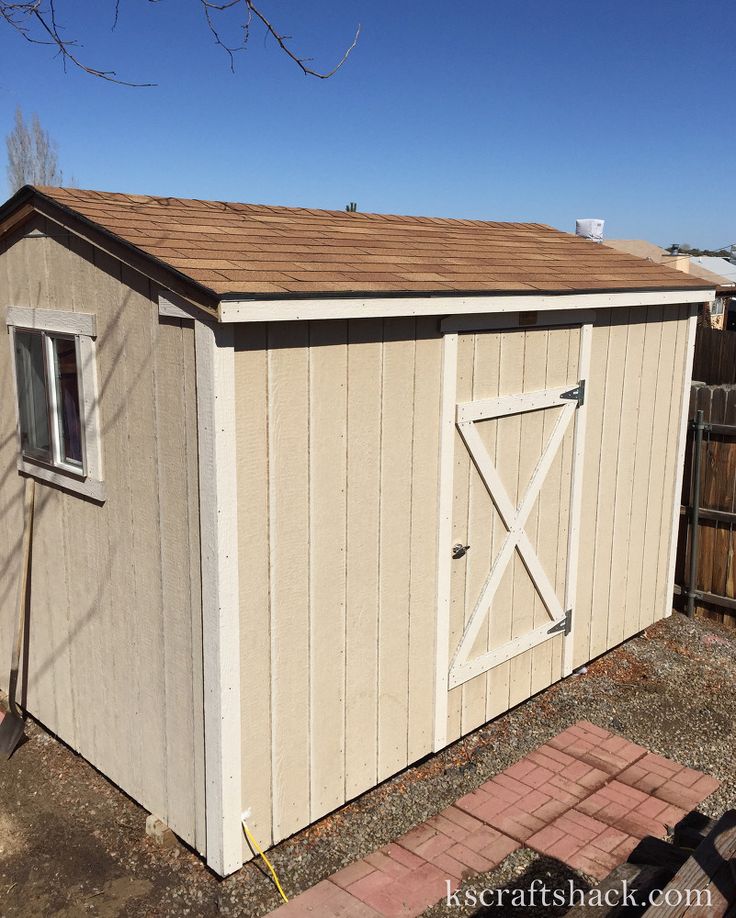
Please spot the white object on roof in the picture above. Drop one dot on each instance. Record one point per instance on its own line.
(590, 228)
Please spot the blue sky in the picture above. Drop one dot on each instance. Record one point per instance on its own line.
(500, 110)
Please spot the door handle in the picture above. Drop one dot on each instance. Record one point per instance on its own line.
(458, 551)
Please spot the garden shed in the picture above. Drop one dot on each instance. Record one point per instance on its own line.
(320, 492)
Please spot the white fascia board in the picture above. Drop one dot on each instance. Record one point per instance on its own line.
(290, 310)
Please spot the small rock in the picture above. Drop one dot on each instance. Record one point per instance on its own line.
(158, 830)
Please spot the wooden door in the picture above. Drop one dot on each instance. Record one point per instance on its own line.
(511, 492)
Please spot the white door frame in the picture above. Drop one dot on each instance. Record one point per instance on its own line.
(451, 414)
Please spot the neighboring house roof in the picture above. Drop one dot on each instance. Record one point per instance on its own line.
(639, 247)
(245, 250)
(718, 267)
(702, 267)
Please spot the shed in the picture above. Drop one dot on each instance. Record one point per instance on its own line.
(320, 492)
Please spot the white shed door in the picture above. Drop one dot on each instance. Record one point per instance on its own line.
(516, 468)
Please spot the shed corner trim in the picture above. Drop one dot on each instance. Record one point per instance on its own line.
(220, 595)
(681, 447)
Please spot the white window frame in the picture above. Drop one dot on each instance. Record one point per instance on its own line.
(81, 328)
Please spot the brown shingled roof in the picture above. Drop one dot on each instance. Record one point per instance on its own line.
(249, 250)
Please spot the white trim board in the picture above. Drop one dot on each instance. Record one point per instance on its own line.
(52, 320)
(365, 307)
(220, 594)
(692, 323)
(577, 473)
(444, 537)
(173, 306)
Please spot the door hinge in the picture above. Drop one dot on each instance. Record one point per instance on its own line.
(564, 626)
(577, 394)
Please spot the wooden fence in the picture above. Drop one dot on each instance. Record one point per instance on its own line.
(715, 580)
(715, 356)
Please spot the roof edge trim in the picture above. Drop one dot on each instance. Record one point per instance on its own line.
(29, 200)
(290, 310)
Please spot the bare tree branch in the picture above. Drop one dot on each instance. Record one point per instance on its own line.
(36, 21)
(252, 10)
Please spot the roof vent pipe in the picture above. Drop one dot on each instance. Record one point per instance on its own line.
(590, 229)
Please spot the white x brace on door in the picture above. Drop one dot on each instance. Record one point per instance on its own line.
(455, 663)
(514, 519)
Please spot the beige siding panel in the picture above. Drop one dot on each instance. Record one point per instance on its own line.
(628, 445)
(655, 522)
(482, 523)
(592, 480)
(178, 603)
(395, 544)
(554, 507)
(67, 285)
(112, 628)
(365, 365)
(511, 382)
(635, 566)
(530, 449)
(288, 382)
(615, 371)
(46, 626)
(11, 484)
(141, 343)
(427, 384)
(189, 380)
(327, 551)
(116, 558)
(251, 386)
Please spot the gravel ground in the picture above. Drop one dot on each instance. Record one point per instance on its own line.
(72, 844)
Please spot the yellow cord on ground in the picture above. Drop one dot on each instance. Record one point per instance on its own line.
(251, 838)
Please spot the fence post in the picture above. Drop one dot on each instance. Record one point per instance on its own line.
(692, 584)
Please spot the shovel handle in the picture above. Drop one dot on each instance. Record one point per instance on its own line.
(28, 506)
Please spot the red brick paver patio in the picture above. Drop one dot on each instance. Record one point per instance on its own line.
(586, 798)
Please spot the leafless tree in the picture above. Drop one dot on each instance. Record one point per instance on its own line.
(32, 155)
(37, 22)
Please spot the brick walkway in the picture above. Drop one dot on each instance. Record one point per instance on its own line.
(586, 798)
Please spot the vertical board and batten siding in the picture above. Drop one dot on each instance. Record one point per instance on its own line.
(634, 411)
(338, 450)
(337, 455)
(114, 642)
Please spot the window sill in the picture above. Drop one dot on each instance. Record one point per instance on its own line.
(87, 487)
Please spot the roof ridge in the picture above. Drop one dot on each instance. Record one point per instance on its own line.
(247, 206)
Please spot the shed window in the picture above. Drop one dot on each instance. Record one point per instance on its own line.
(56, 398)
(49, 409)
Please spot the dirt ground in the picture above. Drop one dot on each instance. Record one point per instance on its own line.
(72, 844)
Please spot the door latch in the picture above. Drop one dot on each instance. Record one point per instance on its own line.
(458, 551)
